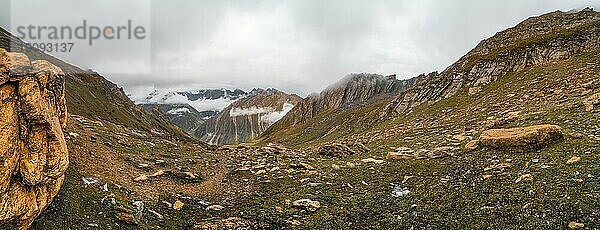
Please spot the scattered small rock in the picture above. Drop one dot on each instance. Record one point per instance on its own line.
(398, 156)
(144, 177)
(242, 169)
(90, 180)
(278, 209)
(575, 225)
(398, 190)
(590, 102)
(573, 160)
(497, 167)
(214, 207)
(460, 137)
(521, 139)
(307, 204)
(335, 167)
(472, 145)
(158, 215)
(371, 160)
(178, 205)
(524, 178)
(307, 166)
(474, 90)
(336, 150)
(125, 215)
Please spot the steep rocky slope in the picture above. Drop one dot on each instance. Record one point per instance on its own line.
(184, 116)
(537, 40)
(353, 91)
(91, 95)
(33, 150)
(248, 117)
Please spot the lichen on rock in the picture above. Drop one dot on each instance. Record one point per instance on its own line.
(522, 138)
(33, 151)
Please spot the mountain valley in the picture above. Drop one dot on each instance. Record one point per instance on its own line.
(507, 137)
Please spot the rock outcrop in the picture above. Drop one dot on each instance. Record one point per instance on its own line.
(342, 150)
(353, 90)
(521, 139)
(33, 151)
(592, 101)
(537, 40)
(247, 118)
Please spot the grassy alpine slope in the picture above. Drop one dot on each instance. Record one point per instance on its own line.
(254, 186)
(463, 189)
(468, 189)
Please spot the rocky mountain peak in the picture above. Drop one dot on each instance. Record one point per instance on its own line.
(549, 37)
(352, 90)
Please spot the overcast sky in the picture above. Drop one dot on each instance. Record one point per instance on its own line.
(302, 46)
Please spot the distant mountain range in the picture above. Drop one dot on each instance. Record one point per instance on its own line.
(222, 108)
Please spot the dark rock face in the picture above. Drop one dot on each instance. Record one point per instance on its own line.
(553, 36)
(247, 118)
(353, 90)
(33, 151)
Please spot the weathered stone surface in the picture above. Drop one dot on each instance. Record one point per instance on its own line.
(521, 139)
(33, 151)
(353, 90)
(307, 204)
(472, 145)
(535, 41)
(342, 150)
(590, 102)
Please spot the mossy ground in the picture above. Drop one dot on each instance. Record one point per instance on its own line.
(455, 191)
(548, 94)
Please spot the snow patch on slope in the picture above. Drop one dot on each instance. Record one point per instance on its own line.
(267, 114)
(275, 116)
(235, 112)
(179, 111)
(171, 97)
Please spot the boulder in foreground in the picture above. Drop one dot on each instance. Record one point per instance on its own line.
(33, 150)
(521, 139)
(343, 150)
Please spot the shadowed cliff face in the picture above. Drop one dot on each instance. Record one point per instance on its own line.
(247, 118)
(33, 150)
(550, 37)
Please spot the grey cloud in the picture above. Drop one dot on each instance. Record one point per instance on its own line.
(301, 46)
